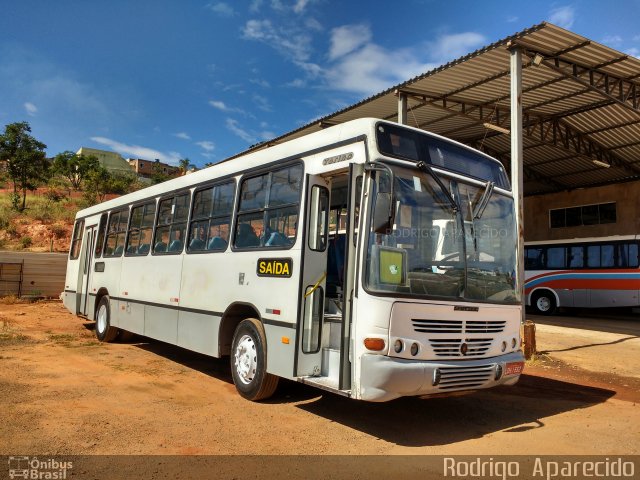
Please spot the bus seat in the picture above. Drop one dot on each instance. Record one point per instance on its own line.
(118, 251)
(160, 247)
(335, 264)
(196, 244)
(217, 243)
(143, 249)
(131, 249)
(276, 239)
(176, 246)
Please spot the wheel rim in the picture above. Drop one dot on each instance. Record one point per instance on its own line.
(102, 318)
(246, 359)
(543, 304)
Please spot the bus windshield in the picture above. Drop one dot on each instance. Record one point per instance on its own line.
(436, 250)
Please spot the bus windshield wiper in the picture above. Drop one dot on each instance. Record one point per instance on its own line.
(425, 167)
(484, 201)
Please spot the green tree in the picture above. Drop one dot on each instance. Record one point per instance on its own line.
(74, 168)
(158, 175)
(184, 164)
(25, 159)
(99, 182)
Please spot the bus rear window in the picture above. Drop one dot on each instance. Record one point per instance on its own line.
(399, 142)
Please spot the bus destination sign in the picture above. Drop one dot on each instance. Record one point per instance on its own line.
(275, 267)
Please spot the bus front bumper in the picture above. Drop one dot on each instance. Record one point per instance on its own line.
(385, 378)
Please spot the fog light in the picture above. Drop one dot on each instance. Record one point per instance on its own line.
(498, 371)
(414, 349)
(398, 346)
(513, 343)
(436, 377)
(504, 346)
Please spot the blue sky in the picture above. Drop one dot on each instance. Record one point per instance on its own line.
(207, 79)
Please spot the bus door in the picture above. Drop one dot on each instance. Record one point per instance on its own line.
(314, 273)
(87, 257)
(328, 280)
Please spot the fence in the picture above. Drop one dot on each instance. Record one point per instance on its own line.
(42, 274)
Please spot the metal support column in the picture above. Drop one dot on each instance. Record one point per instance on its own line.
(402, 108)
(517, 163)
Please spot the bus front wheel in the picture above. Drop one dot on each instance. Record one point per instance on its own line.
(544, 303)
(249, 362)
(104, 331)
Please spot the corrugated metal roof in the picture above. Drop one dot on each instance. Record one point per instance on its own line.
(587, 93)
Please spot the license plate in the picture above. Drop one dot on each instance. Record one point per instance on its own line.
(514, 368)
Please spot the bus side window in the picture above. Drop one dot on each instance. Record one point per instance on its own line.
(556, 257)
(116, 233)
(576, 257)
(76, 240)
(533, 258)
(102, 230)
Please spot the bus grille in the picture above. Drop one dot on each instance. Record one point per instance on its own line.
(462, 378)
(457, 326)
(452, 347)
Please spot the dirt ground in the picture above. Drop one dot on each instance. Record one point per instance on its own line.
(62, 392)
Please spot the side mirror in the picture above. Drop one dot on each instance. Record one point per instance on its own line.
(383, 213)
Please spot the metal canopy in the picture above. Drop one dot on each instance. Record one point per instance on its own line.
(580, 104)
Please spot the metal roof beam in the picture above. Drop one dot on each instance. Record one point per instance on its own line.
(622, 91)
(547, 130)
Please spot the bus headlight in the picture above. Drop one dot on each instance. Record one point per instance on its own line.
(513, 343)
(398, 346)
(414, 349)
(504, 346)
(498, 372)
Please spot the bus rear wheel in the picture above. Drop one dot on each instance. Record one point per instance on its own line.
(104, 331)
(249, 362)
(543, 303)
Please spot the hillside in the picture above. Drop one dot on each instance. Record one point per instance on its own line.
(44, 226)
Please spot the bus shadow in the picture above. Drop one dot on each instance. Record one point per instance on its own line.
(214, 367)
(415, 422)
(578, 347)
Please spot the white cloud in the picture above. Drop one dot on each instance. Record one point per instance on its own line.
(512, 19)
(296, 83)
(348, 38)
(182, 135)
(262, 103)
(450, 47)
(223, 107)
(234, 127)
(222, 8)
(300, 5)
(208, 156)
(219, 105)
(206, 145)
(367, 68)
(563, 16)
(260, 82)
(636, 38)
(31, 109)
(136, 151)
(633, 51)
(290, 43)
(313, 24)
(614, 40)
(255, 5)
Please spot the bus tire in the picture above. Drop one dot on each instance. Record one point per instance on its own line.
(104, 331)
(249, 362)
(543, 302)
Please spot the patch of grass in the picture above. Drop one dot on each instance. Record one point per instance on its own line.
(9, 335)
(25, 242)
(10, 300)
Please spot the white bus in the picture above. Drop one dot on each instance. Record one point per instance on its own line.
(582, 272)
(317, 260)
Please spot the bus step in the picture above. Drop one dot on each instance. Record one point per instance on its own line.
(325, 383)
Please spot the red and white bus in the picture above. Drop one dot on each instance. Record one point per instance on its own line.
(582, 272)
